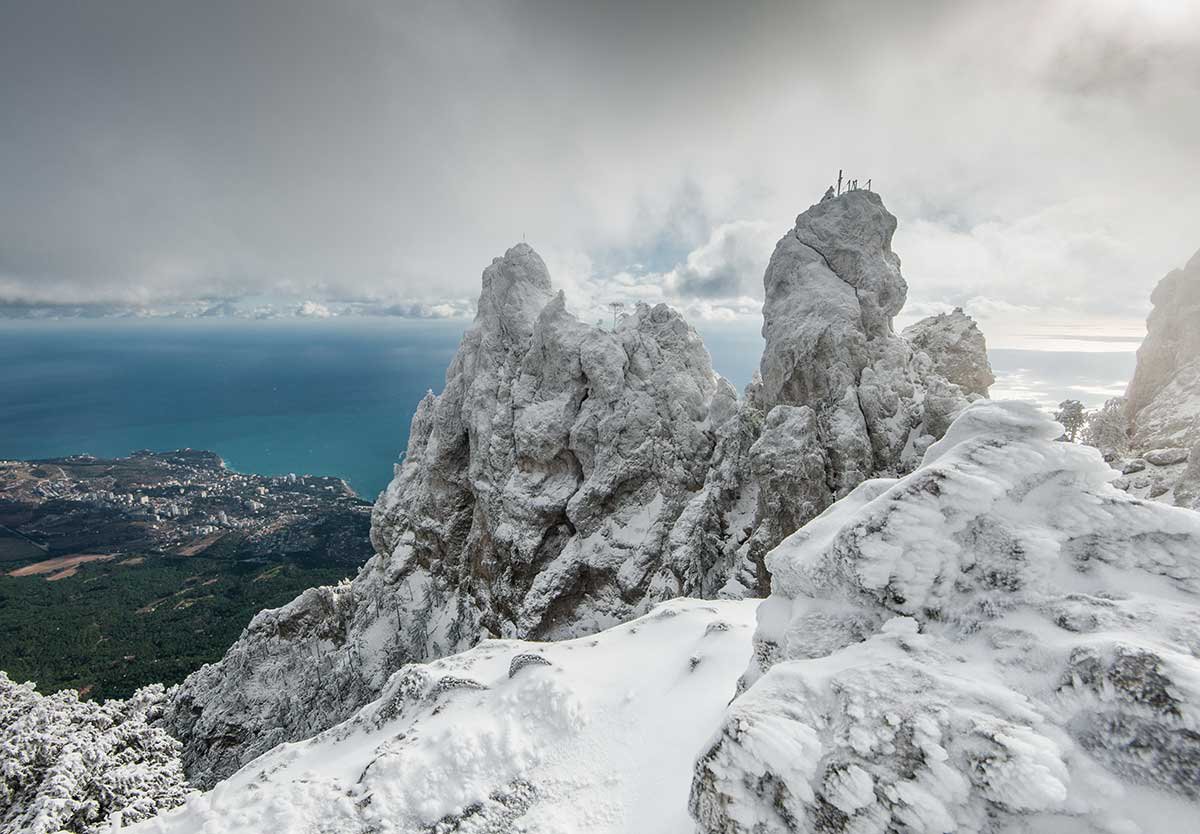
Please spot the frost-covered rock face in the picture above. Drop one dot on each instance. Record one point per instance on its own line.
(1187, 488)
(833, 286)
(955, 344)
(565, 480)
(568, 477)
(1163, 399)
(999, 641)
(1162, 403)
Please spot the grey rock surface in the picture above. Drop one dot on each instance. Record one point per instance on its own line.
(1166, 457)
(1187, 488)
(957, 348)
(1163, 399)
(1162, 402)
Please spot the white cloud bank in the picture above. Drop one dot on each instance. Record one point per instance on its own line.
(1039, 155)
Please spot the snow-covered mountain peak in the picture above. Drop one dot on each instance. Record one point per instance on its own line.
(999, 641)
(515, 289)
(569, 477)
(853, 235)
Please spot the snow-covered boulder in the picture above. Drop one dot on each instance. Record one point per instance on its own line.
(568, 478)
(593, 735)
(999, 641)
(955, 344)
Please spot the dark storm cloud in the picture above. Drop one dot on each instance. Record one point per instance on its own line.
(386, 151)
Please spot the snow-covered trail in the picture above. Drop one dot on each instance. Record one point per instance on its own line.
(597, 734)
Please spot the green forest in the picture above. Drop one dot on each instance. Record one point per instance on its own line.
(115, 626)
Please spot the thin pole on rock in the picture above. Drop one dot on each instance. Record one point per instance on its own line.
(839, 182)
(616, 308)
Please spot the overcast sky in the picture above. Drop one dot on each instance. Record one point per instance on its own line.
(1042, 157)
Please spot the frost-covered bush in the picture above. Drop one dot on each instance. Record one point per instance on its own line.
(79, 766)
(1108, 428)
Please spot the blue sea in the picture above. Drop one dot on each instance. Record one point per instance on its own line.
(330, 397)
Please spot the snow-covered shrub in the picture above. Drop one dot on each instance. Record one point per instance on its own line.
(1107, 428)
(79, 766)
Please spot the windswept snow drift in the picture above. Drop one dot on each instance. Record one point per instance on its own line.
(590, 735)
(1000, 641)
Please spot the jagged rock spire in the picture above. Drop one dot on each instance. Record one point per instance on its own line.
(568, 477)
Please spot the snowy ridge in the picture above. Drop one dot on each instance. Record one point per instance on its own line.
(999, 641)
(595, 734)
(568, 478)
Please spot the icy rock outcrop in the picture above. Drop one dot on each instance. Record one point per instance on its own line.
(1187, 488)
(1161, 408)
(957, 348)
(832, 288)
(540, 497)
(999, 641)
(1163, 399)
(567, 478)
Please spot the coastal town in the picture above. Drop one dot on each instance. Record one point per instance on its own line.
(57, 513)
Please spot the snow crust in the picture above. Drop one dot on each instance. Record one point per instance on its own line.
(595, 734)
(999, 641)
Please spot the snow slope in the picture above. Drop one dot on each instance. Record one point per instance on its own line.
(1000, 641)
(595, 734)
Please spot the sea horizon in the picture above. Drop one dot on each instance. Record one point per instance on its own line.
(330, 397)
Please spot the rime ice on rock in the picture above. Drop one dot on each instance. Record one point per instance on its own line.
(538, 498)
(1163, 399)
(956, 346)
(832, 289)
(1162, 402)
(1000, 640)
(569, 477)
